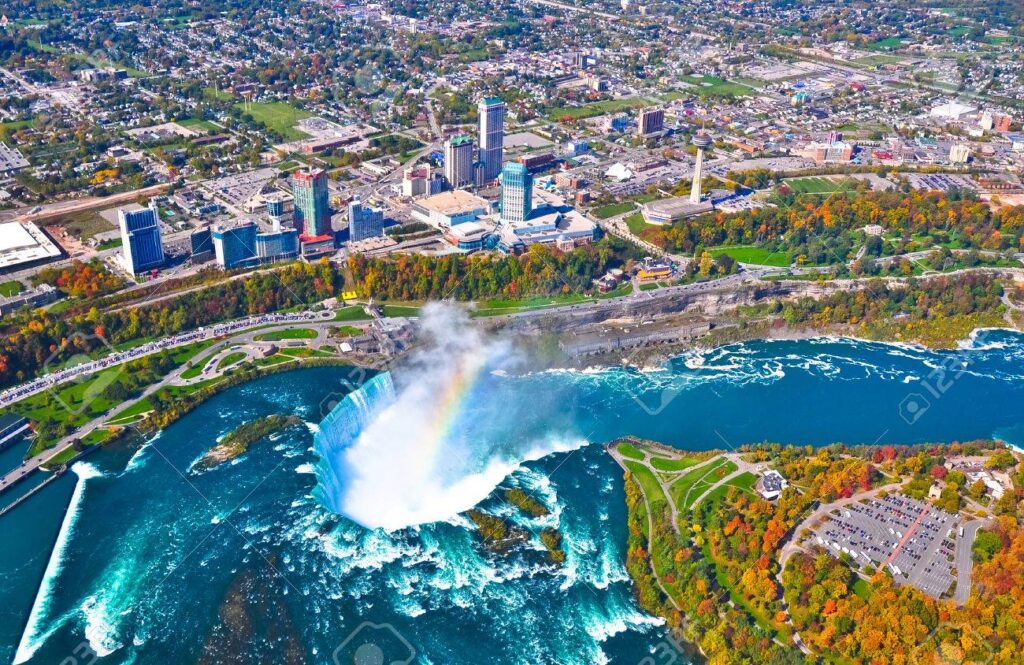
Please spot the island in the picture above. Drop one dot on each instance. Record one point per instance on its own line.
(236, 443)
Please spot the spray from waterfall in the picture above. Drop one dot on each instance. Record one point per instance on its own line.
(437, 435)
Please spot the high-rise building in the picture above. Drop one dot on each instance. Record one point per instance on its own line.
(242, 244)
(516, 193)
(140, 239)
(363, 221)
(312, 214)
(651, 122)
(959, 153)
(234, 245)
(458, 161)
(201, 245)
(492, 135)
(701, 140)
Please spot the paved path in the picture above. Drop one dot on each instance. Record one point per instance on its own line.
(650, 522)
(964, 559)
(742, 467)
(32, 464)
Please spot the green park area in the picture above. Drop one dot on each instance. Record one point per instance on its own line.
(887, 44)
(230, 359)
(816, 185)
(613, 209)
(280, 117)
(351, 313)
(11, 288)
(636, 223)
(291, 333)
(563, 113)
(199, 125)
(713, 86)
(753, 255)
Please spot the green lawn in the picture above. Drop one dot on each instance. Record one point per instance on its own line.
(636, 223)
(11, 288)
(703, 484)
(887, 44)
(230, 359)
(862, 588)
(351, 313)
(597, 108)
(613, 209)
(679, 488)
(754, 255)
(712, 86)
(665, 464)
(630, 451)
(290, 333)
(814, 185)
(401, 310)
(279, 116)
(878, 59)
(650, 485)
(199, 124)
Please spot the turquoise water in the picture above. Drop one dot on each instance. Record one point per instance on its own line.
(155, 563)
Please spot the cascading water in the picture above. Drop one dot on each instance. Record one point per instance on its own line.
(437, 438)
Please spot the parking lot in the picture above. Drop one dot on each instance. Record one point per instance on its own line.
(914, 540)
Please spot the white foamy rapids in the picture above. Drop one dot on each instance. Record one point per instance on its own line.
(392, 492)
(99, 629)
(34, 635)
(141, 456)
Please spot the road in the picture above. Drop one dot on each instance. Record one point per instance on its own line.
(57, 377)
(965, 560)
(78, 205)
(244, 334)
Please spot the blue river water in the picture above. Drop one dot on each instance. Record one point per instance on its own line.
(141, 559)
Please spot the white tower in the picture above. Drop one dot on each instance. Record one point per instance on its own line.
(702, 140)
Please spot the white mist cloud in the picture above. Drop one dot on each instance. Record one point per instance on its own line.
(447, 436)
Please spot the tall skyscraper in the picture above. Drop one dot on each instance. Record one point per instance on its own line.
(651, 122)
(242, 244)
(312, 214)
(492, 135)
(363, 221)
(140, 239)
(516, 193)
(702, 140)
(458, 161)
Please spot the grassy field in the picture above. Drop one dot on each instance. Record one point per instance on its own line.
(650, 485)
(230, 359)
(11, 288)
(679, 488)
(597, 108)
(279, 116)
(753, 255)
(351, 313)
(613, 209)
(887, 44)
(878, 60)
(291, 333)
(665, 464)
(712, 86)
(630, 451)
(815, 185)
(199, 124)
(636, 223)
(85, 224)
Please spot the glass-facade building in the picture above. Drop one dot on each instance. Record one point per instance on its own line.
(364, 222)
(244, 245)
(312, 213)
(491, 112)
(140, 239)
(516, 193)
